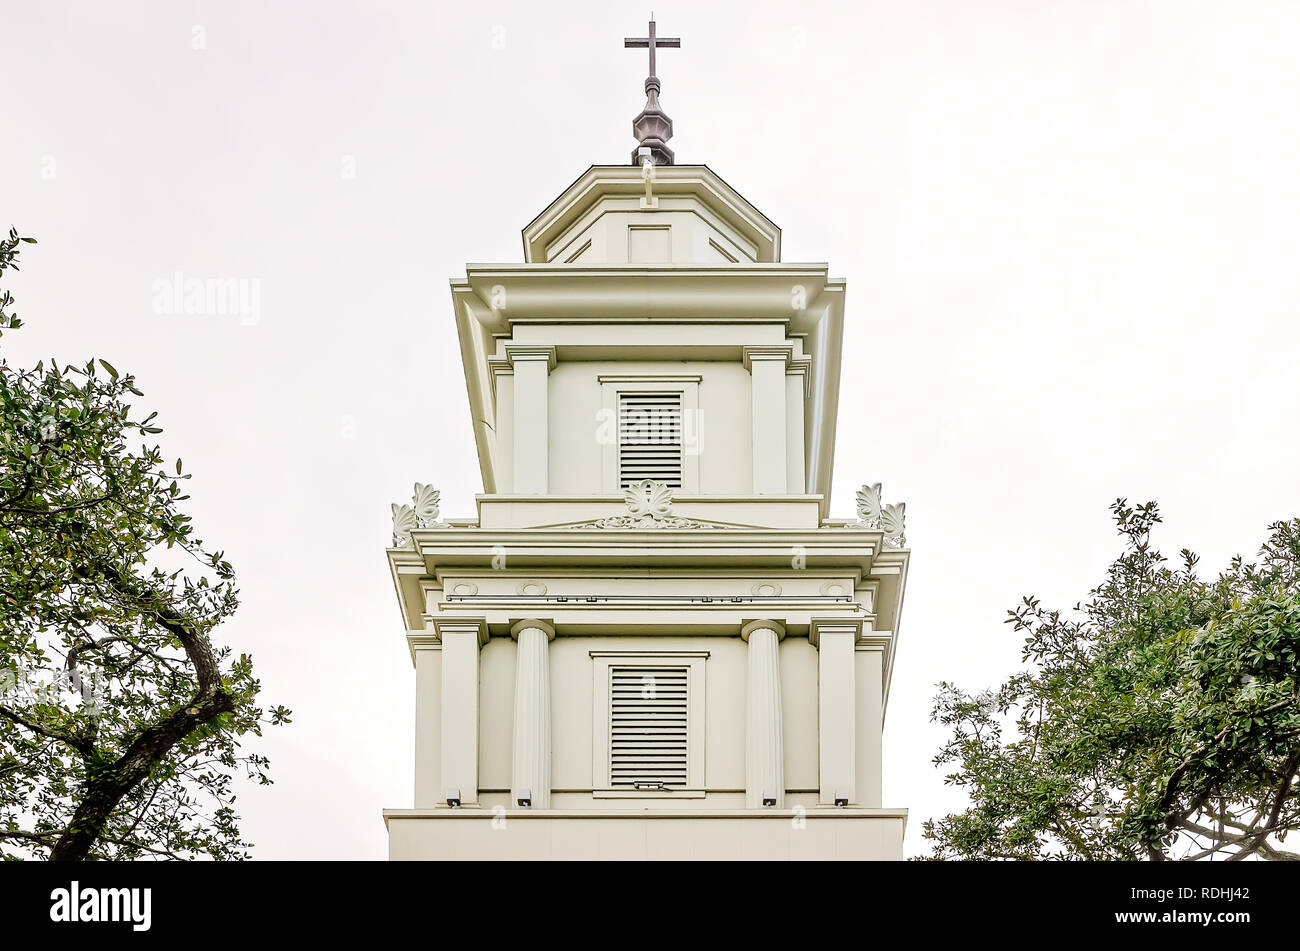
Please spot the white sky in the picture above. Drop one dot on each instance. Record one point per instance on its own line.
(1068, 230)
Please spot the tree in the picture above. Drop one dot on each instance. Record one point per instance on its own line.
(120, 719)
(1159, 720)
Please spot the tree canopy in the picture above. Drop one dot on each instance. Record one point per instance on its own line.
(1159, 719)
(120, 718)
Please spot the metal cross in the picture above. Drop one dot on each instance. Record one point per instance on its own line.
(652, 42)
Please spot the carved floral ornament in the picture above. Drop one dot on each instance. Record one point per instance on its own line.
(882, 518)
(421, 513)
(647, 504)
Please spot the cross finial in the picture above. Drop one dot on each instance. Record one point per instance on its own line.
(652, 42)
(652, 127)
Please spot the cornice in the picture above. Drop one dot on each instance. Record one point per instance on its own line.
(442, 539)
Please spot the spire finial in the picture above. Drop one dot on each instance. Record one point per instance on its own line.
(652, 127)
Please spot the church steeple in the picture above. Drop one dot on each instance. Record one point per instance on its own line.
(615, 654)
(652, 127)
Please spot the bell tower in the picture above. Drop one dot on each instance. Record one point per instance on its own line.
(649, 638)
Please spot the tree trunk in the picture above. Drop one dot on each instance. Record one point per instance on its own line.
(106, 787)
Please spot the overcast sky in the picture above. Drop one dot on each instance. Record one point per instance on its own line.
(1069, 231)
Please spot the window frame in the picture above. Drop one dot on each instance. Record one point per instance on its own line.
(612, 386)
(696, 686)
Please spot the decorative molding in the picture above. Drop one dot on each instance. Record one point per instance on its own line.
(517, 352)
(422, 641)
(782, 352)
(873, 515)
(421, 513)
(648, 504)
(443, 626)
(538, 588)
(833, 625)
(773, 589)
(578, 253)
(418, 640)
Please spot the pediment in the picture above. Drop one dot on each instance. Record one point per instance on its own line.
(684, 214)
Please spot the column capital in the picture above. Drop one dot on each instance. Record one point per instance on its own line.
(763, 624)
(543, 626)
(422, 640)
(782, 352)
(833, 625)
(874, 641)
(521, 352)
(443, 626)
(499, 367)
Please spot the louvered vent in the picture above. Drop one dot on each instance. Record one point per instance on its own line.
(647, 730)
(650, 438)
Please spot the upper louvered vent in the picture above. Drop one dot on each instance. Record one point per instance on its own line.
(650, 438)
(648, 726)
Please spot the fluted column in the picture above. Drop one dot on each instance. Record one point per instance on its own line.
(764, 752)
(531, 765)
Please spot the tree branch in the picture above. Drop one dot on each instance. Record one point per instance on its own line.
(80, 744)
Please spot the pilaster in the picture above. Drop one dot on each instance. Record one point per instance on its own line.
(530, 457)
(837, 714)
(426, 649)
(796, 390)
(766, 367)
(871, 653)
(461, 639)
